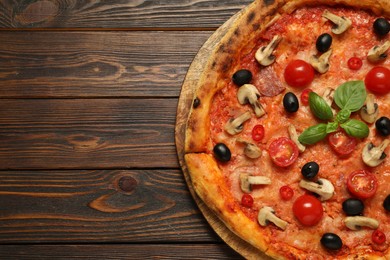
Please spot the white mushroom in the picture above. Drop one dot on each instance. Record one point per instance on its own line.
(235, 125)
(252, 151)
(248, 93)
(357, 222)
(328, 96)
(372, 155)
(294, 137)
(378, 53)
(341, 24)
(321, 63)
(322, 187)
(370, 111)
(267, 214)
(264, 55)
(247, 180)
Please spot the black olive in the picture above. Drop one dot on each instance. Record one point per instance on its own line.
(310, 170)
(290, 102)
(222, 152)
(386, 203)
(331, 241)
(324, 41)
(381, 26)
(353, 207)
(383, 126)
(196, 103)
(242, 77)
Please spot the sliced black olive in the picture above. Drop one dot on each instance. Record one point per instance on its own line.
(386, 203)
(222, 152)
(242, 77)
(310, 170)
(381, 26)
(383, 126)
(331, 241)
(290, 102)
(324, 41)
(353, 207)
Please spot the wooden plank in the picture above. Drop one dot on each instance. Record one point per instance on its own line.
(87, 133)
(109, 206)
(96, 64)
(117, 14)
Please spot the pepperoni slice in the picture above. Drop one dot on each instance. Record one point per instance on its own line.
(268, 83)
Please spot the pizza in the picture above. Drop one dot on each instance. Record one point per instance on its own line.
(288, 130)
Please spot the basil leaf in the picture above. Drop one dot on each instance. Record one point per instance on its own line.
(343, 115)
(356, 128)
(313, 134)
(332, 127)
(351, 95)
(319, 107)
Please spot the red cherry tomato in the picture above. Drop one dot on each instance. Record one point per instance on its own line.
(286, 193)
(299, 73)
(378, 80)
(258, 133)
(362, 184)
(305, 96)
(378, 237)
(308, 210)
(355, 63)
(342, 143)
(247, 200)
(283, 151)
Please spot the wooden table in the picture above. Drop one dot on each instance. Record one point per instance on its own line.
(88, 163)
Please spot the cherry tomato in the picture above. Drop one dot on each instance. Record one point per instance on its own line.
(305, 96)
(286, 193)
(378, 237)
(283, 151)
(342, 143)
(355, 63)
(378, 80)
(258, 133)
(362, 184)
(299, 73)
(308, 210)
(247, 200)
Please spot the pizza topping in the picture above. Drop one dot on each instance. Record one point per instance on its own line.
(323, 43)
(308, 210)
(235, 125)
(355, 63)
(381, 26)
(362, 184)
(247, 200)
(378, 80)
(341, 143)
(328, 96)
(358, 222)
(283, 151)
(331, 241)
(322, 187)
(251, 150)
(268, 82)
(299, 73)
(378, 237)
(290, 102)
(286, 192)
(372, 155)
(247, 180)
(383, 126)
(386, 203)
(320, 107)
(242, 77)
(369, 112)
(294, 137)
(258, 133)
(222, 152)
(353, 207)
(264, 54)
(248, 93)
(321, 63)
(341, 24)
(305, 96)
(196, 103)
(310, 170)
(378, 53)
(267, 214)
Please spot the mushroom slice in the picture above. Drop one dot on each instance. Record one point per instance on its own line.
(235, 125)
(252, 151)
(294, 137)
(264, 55)
(248, 93)
(378, 53)
(328, 96)
(322, 187)
(267, 214)
(373, 156)
(341, 24)
(357, 222)
(369, 112)
(321, 63)
(247, 180)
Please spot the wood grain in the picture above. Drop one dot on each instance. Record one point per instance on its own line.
(117, 14)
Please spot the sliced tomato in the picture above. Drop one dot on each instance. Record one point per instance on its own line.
(283, 151)
(258, 133)
(247, 200)
(355, 63)
(286, 192)
(362, 184)
(308, 210)
(305, 96)
(342, 143)
(299, 73)
(378, 80)
(378, 237)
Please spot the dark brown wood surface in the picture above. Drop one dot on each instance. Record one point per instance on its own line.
(88, 99)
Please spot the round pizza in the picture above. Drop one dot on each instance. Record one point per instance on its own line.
(289, 127)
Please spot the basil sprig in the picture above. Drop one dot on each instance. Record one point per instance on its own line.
(349, 97)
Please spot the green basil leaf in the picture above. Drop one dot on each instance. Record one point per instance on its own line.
(351, 95)
(332, 127)
(343, 115)
(319, 107)
(356, 128)
(313, 134)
